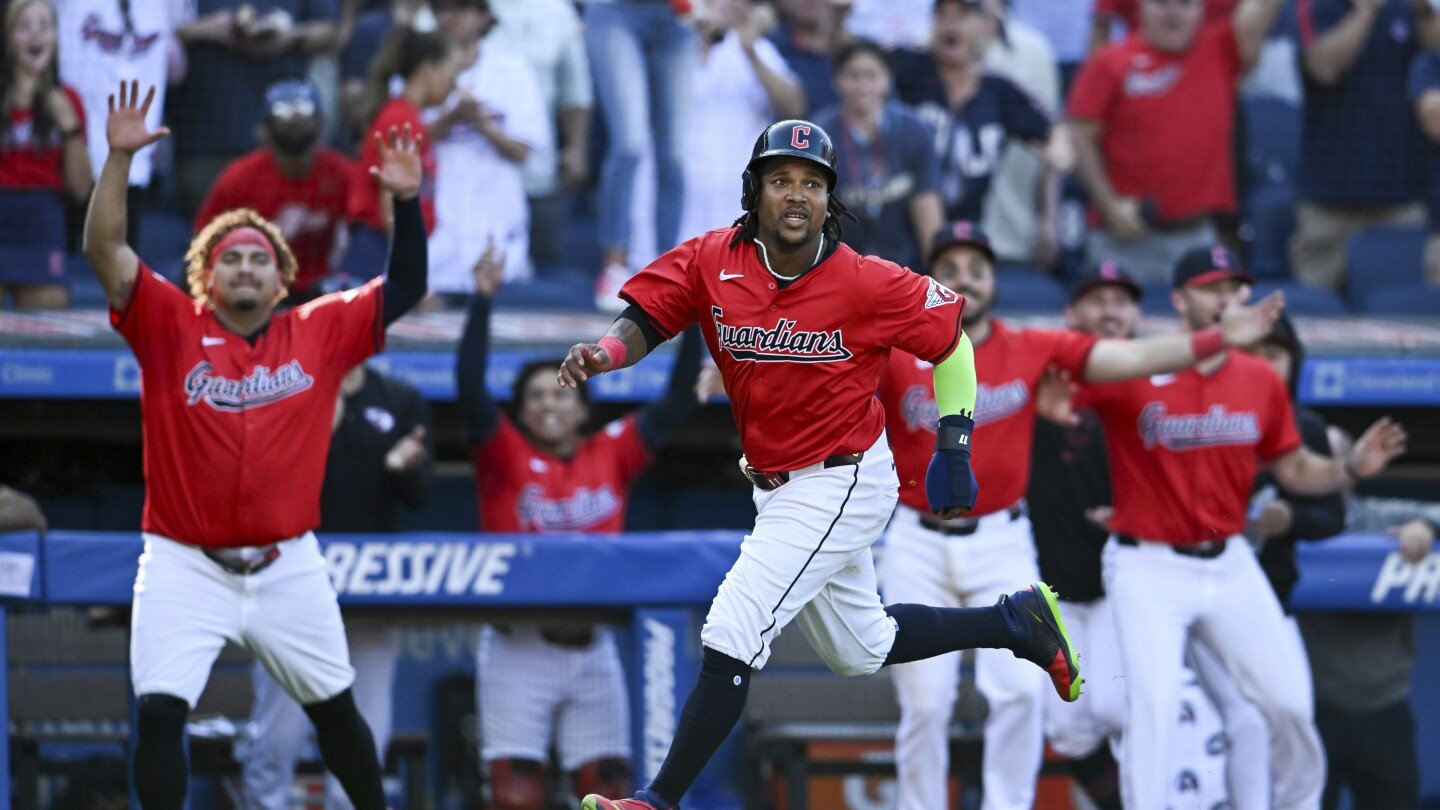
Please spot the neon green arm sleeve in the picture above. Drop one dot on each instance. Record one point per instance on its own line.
(955, 381)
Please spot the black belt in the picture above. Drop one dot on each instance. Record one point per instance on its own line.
(1205, 549)
(965, 527)
(766, 482)
(232, 561)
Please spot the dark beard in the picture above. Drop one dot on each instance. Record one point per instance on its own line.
(294, 144)
(249, 305)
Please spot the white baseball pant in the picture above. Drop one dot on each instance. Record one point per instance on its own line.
(1247, 755)
(186, 607)
(925, 567)
(1159, 597)
(527, 687)
(279, 731)
(1078, 729)
(808, 559)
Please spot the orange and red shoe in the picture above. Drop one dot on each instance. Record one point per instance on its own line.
(1042, 638)
(594, 802)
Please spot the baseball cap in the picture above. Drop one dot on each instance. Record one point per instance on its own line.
(292, 97)
(1202, 265)
(1105, 273)
(962, 232)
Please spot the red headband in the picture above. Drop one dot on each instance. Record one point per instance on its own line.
(244, 235)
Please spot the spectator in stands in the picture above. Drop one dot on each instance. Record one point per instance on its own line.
(1064, 24)
(549, 34)
(1153, 117)
(888, 175)
(19, 512)
(535, 472)
(237, 48)
(1425, 98)
(368, 34)
(43, 159)
(810, 33)
(292, 181)
(427, 64)
(380, 458)
(1126, 13)
(1361, 154)
(103, 42)
(643, 58)
(741, 86)
(1363, 665)
(493, 121)
(1022, 209)
(891, 23)
(975, 113)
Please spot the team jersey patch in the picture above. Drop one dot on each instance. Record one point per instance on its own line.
(1216, 427)
(781, 343)
(259, 387)
(939, 295)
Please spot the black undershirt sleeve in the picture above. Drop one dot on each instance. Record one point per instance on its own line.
(636, 315)
(405, 271)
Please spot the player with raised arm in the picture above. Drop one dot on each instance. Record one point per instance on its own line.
(535, 471)
(237, 403)
(800, 327)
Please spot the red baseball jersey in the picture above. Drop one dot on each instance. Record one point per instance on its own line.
(1008, 366)
(1167, 119)
(523, 489)
(1184, 448)
(28, 163)
(1129, 10)
(309, 210)
(364, 192)
(800, 364)
(235, 434)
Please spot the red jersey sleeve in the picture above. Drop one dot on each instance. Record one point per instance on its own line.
(1095, 89)
(1281, 435)
(150, 316)
(349, 324)
(625, 446)
(504, 444)
(1068, 349)
(914, 312)
(667, 288)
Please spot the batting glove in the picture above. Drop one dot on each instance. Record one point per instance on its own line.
(950, 482)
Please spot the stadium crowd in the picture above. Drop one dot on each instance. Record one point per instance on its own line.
(1080, 154)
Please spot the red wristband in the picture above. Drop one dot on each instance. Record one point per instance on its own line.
(1207, 342)
(614, 347)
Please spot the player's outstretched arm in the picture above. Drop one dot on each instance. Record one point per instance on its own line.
(399, 173)
(477, 407)
(1305, 472)
(112, 259)
(950, 484)
(624, 345)
(1240, 325)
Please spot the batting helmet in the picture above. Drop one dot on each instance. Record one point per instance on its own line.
(790, 138)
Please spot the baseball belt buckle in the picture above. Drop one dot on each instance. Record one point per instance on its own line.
(245, 560)
(765, 482)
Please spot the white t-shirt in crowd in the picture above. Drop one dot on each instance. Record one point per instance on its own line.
(478, 193)
(892, 23)
(1065, 23)
(548, 34)
(729, 110)
(97, 51)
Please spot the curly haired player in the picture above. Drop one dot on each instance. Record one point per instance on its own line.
(237, 403)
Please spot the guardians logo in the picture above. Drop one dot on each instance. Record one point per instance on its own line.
(918, 408)
(260, 387)
(1188, 431)
(781, 343)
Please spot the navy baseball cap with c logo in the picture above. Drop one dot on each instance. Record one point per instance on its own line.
(1203, 265)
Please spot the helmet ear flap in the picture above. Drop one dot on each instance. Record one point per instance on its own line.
(748, 190)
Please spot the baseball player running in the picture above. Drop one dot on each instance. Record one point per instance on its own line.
(800, 327)
(1184, 450)
(970, 561)
(536, 472)
(237, 402)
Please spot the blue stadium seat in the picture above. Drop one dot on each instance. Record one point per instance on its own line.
(1269, 221)
(1402, 299)
(1272, 141)
(1383, 257)
(163, 237)
(1020, 291)
(1302, 299)
(557, 290)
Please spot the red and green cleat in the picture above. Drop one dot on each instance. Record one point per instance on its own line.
(1043, 639)
(594, 802)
